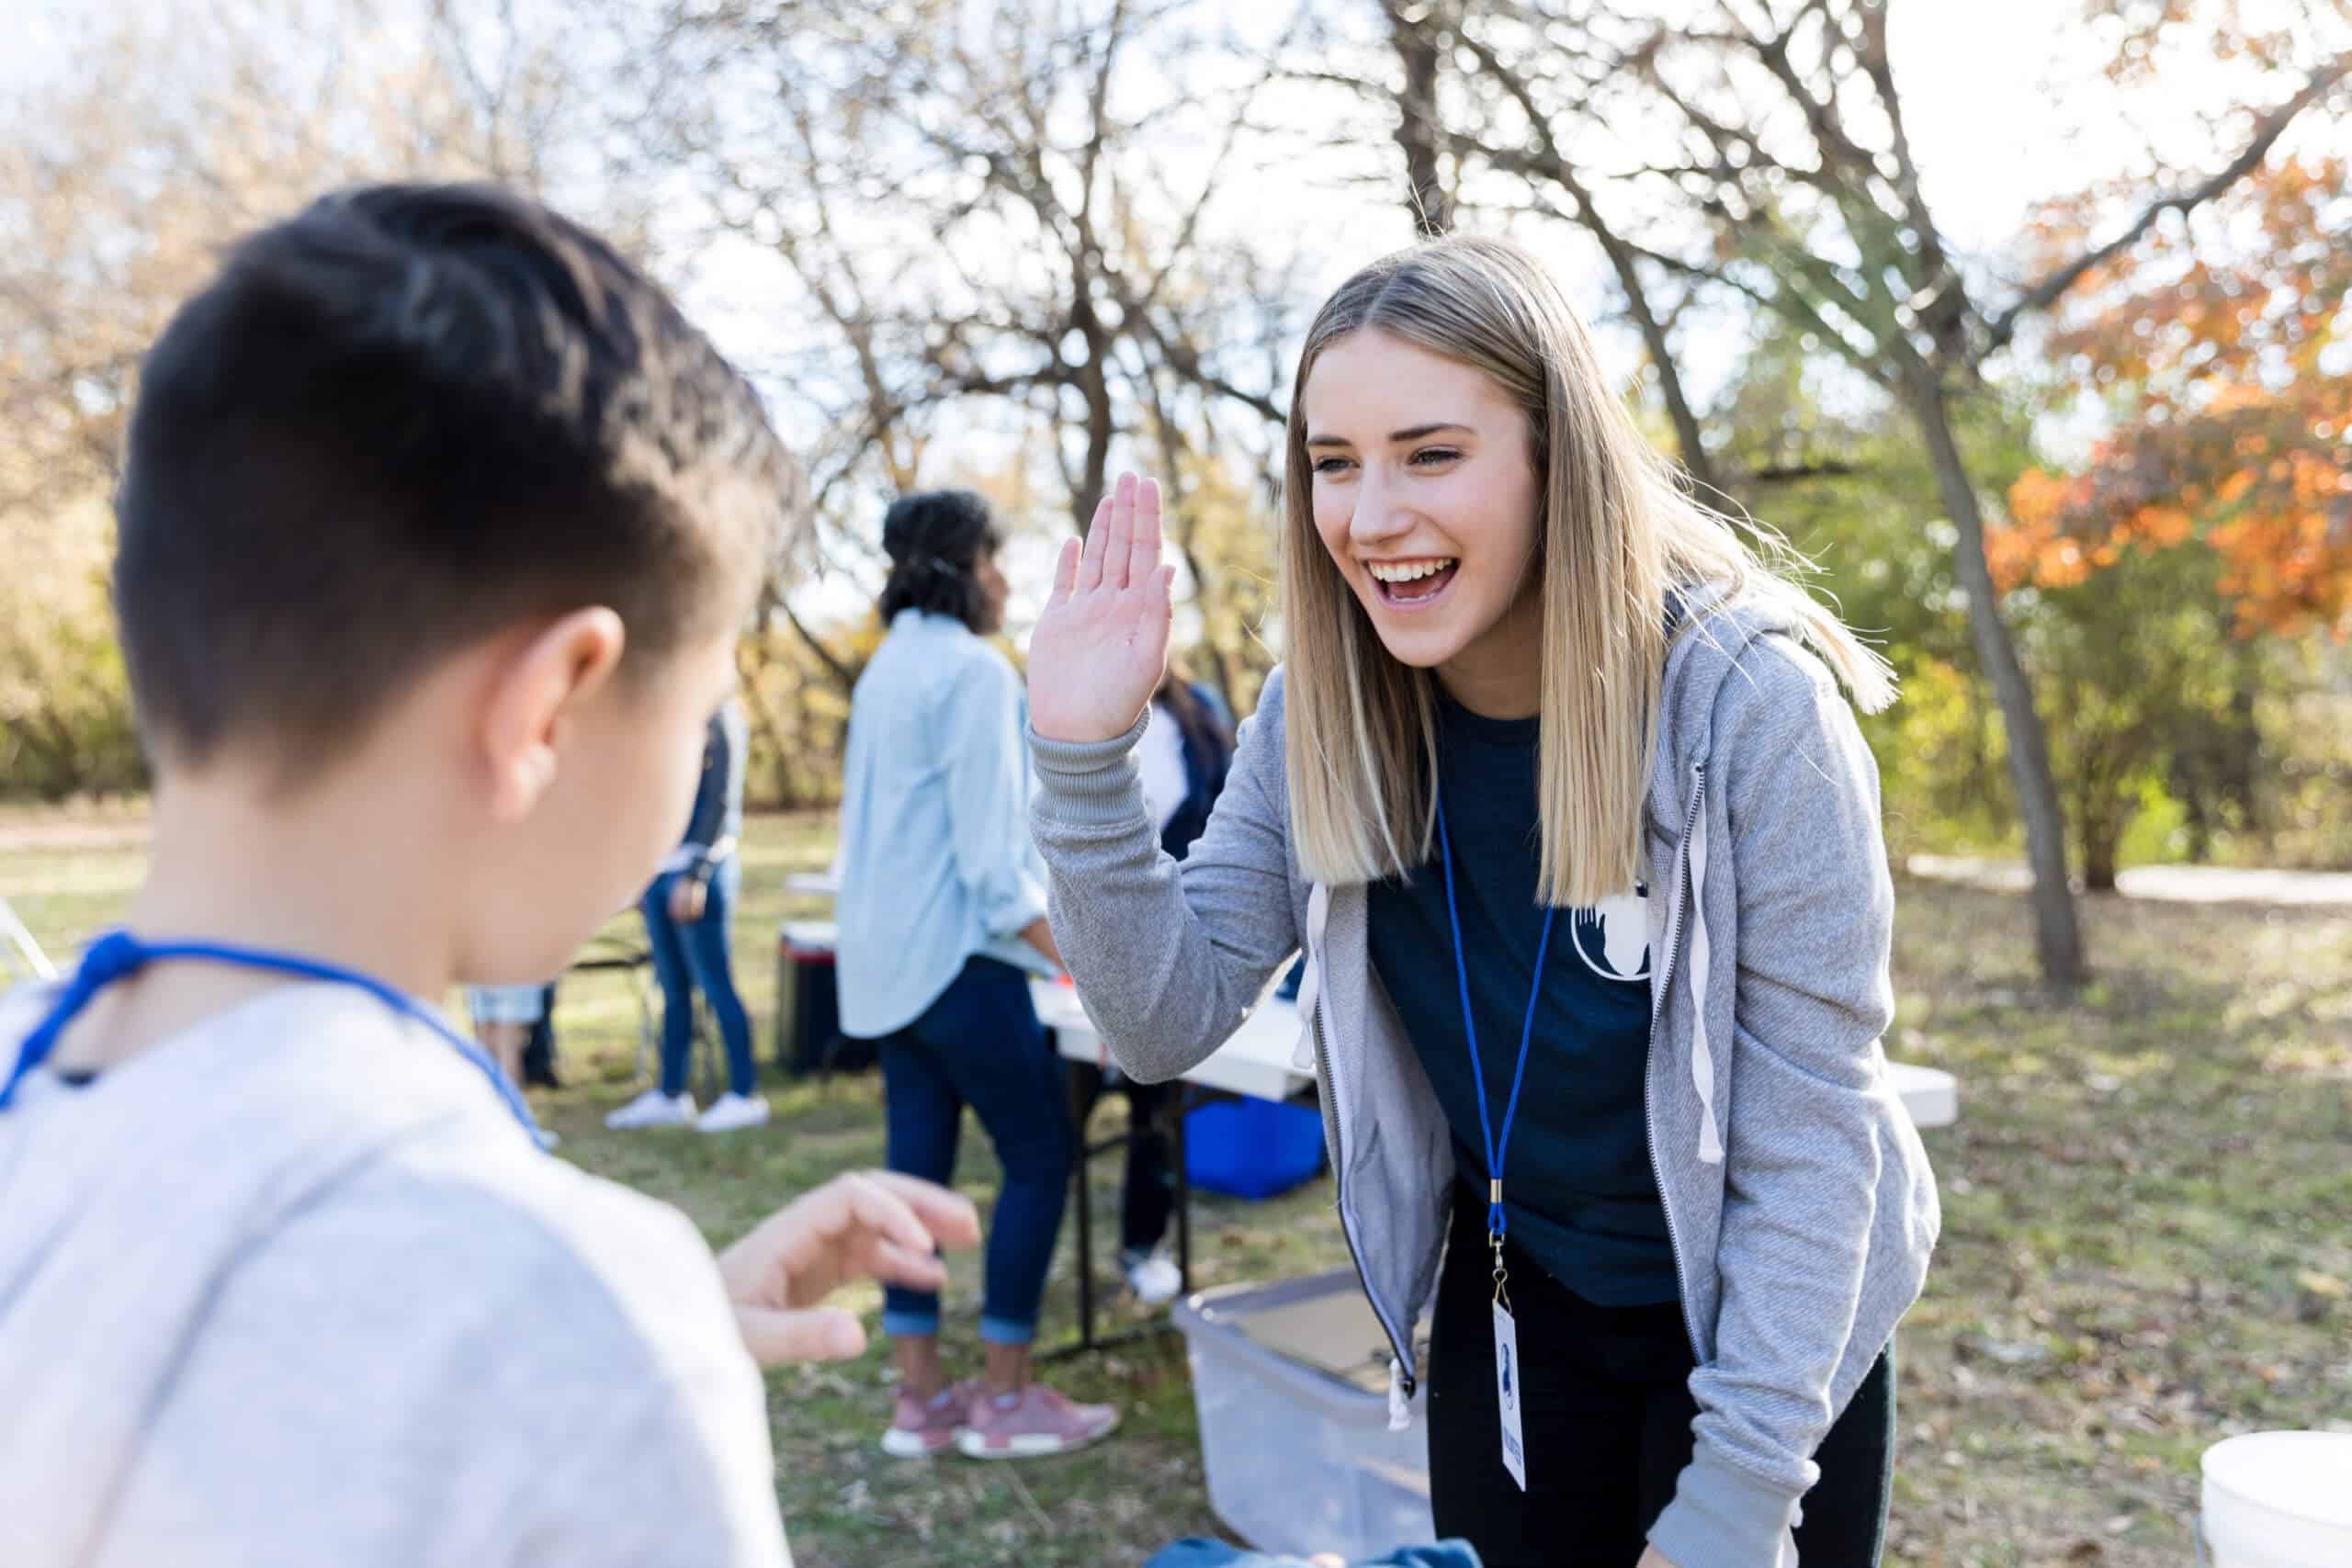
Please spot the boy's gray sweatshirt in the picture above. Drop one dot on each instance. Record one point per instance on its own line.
(293, 1289)
(1798, 1196)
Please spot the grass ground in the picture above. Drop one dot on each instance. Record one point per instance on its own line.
(2147, 1233)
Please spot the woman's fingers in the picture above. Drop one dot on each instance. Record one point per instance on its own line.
(1116, 542)
(1143, 546)
(1122, 547)
(1098, 535)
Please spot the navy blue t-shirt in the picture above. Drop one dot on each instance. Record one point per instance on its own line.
(1581, 1196)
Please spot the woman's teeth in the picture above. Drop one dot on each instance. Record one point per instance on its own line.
(1407, 571)
(1409, 583)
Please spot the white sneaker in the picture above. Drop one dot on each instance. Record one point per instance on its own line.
(1154, 1280)
(731, 1111)
(653, 1108)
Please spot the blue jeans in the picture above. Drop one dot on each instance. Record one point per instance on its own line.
(687, 956)
(980, 1044)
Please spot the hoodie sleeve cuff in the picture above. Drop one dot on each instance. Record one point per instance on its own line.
(1088, 783)
(1722, 1518)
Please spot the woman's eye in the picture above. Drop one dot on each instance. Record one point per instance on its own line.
(1329, 466)
(1430, 457)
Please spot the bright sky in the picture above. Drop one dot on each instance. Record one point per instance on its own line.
(2002, 99)
(2005, 106)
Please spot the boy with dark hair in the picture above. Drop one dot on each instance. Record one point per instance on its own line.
(437, 526)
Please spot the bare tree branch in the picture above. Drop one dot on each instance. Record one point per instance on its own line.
(2268, 128)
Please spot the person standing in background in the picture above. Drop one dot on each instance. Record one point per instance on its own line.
(689, 922)
(942, 915)
(515, 1025)
(503, 1016)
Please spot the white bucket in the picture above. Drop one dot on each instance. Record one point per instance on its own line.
(2279, 1500)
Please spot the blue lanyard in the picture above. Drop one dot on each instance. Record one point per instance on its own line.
(1496, 1222)
(119, 953)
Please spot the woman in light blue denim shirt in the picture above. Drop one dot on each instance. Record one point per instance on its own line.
(942, 915)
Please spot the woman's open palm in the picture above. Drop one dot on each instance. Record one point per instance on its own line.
(1102, 646)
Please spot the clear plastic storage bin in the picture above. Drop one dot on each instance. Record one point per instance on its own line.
(1291, 1381)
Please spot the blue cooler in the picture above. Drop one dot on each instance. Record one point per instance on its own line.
(1251, 1148)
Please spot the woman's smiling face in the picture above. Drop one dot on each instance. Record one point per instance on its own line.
(1425, 494)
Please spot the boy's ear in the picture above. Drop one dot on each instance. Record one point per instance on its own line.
(536, 689)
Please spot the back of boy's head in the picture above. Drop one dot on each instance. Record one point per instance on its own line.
(396, 424)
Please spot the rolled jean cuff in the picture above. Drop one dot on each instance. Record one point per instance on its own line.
(1004, 1331)
(910, 1324)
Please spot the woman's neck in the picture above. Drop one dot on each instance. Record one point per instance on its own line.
(1501, 675)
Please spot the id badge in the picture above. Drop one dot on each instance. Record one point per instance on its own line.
(1508, 1380)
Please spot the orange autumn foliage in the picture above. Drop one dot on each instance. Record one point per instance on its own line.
(2232, 358)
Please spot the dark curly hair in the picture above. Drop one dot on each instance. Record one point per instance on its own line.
(936, 540)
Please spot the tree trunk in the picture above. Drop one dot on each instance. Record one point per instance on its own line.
(1416, 37)
(2057, 935)
(2190, 786)
(2102, 837)
(2241, 764)
(2102, 813)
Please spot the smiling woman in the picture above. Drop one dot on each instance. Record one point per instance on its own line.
(1449, 407)
(1645, 1157)
(1430, 522)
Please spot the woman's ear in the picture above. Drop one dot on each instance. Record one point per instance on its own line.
(534, 690)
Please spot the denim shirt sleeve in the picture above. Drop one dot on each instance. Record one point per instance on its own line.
(719, 798)
(988, 796)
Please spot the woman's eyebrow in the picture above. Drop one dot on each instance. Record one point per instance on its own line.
(1410, 433)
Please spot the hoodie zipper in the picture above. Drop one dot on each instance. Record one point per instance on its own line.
(1649, 1125)
(1323, 1060)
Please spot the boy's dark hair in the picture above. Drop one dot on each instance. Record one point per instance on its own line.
(399, 422)
(936, 540)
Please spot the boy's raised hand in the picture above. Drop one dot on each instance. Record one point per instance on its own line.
(1102, 646)
(867, 1225)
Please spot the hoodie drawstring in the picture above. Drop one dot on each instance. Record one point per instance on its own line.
(1703, 1058)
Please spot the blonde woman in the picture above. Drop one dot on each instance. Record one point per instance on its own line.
(1559, 795)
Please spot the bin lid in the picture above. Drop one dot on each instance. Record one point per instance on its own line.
(1335, 1331)
(2303, 1475)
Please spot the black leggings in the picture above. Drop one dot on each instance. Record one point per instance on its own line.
(1606, 1415)
(1149, 1195)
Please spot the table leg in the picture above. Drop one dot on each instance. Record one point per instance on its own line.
(784, 988)
(1177, 1107)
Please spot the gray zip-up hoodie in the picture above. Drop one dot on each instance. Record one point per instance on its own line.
(1797, 1194)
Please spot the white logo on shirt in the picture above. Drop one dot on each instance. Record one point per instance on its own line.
(1613, 936)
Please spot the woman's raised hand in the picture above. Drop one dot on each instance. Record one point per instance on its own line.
(1102, 646)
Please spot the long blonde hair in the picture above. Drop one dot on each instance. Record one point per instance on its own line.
(1618, 533)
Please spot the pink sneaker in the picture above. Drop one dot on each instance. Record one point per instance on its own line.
(1039, 1422)
(923, 1427)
